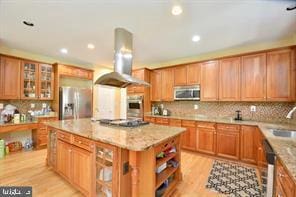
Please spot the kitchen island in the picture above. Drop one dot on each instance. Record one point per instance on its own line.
(103, 160)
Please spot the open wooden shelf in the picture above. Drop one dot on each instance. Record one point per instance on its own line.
(170, 188)
(165, 174)
(161, 161)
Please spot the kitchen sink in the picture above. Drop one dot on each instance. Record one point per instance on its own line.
(283, 133)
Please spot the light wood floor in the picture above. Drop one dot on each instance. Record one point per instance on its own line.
(29, 169)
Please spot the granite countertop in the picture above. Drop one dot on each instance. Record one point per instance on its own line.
(135, 139)
(285, 148)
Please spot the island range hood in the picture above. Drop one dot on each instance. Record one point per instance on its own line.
(121, 77)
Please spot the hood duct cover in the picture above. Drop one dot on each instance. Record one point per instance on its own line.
(121, 77)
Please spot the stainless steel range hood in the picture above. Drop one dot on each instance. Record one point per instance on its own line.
(121, 77)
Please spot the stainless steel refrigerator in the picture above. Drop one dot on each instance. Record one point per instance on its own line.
(75, 103)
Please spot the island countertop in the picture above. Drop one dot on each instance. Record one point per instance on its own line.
(136, 139)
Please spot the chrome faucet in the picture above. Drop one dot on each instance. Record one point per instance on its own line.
(290, 114)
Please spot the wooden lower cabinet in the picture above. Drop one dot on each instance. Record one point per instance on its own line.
(40, 135)
(206, 139)
(188, 138)
(75, 165)
(64, 159)
(228, 141)
(248, 144)
(81, 169)
(285, 186)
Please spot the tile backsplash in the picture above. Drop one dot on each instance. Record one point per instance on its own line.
(25, 105)
(265, 111)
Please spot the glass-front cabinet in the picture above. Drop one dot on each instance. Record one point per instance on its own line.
(36, 81)
(46, 81)
(105, 176)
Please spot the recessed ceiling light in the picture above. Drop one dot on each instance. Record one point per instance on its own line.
(91, 46)
(28, 23)
(195, 38)
(64, 50)
(177, 10)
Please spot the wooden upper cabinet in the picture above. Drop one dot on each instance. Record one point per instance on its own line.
(46, 82)
(10, 78)
(209, 81)
(229, 79)
(193, 74)
(167, 84)
(187, 74)
(37, 80)
(253, 84)
(181, 75)
(155, 82)
(281, 75)
(29, 80)
(73, 71)
(143, 74)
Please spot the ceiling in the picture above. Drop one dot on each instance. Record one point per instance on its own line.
(158, 35)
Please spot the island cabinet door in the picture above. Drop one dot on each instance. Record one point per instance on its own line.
(64, 159)
(82, 163)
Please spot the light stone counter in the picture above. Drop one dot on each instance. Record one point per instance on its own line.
(136, 139)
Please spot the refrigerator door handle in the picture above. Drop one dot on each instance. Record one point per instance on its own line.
(75, 106)
(78, 107)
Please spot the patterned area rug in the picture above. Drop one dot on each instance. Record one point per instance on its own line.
(233, 180)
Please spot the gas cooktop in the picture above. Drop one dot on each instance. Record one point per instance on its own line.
(124, 122)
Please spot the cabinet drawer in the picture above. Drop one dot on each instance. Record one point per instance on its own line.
(228, 127)
(206, 125)
(175, 122)
(167, 144)
(82, 143)
(161, 120)
(64, 136)
(188, 123)
(283, 179)
(42, 131)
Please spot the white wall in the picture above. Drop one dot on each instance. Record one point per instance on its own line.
(116, 98)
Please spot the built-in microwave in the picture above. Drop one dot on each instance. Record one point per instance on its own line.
(187, 93)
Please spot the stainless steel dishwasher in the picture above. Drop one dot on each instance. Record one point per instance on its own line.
(270, 158)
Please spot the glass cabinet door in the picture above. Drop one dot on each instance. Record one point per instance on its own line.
(104, 171)
(29, 80)
(46, 81)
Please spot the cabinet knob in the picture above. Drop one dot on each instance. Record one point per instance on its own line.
(70, 151)
(281, 175)
(79, 142)
(62, 136)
